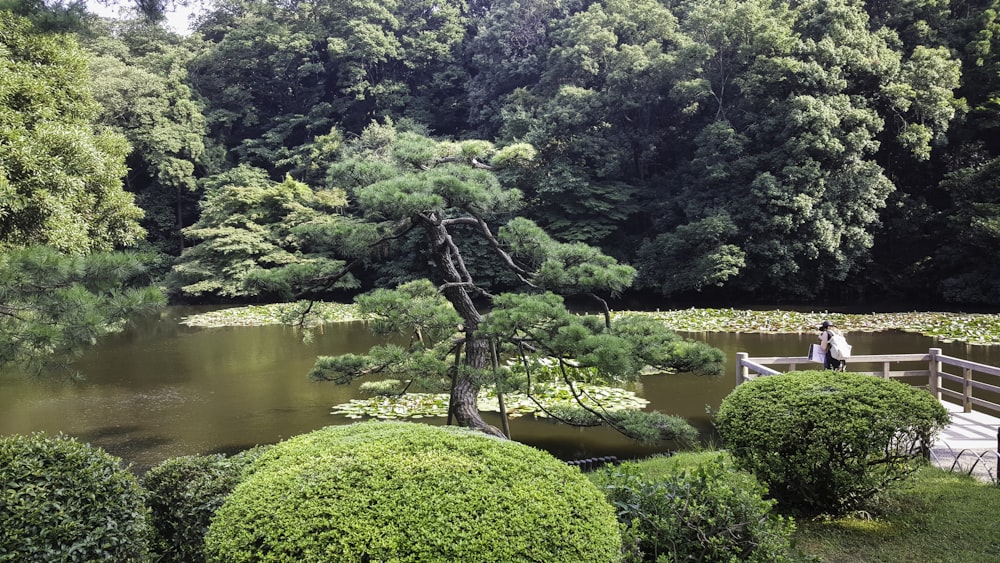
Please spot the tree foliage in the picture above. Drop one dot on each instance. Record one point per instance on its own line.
(60, 173)
(140, 81)
(250, 225)
(724, 148)
(403, 182)
(53, 305)
(277, 75)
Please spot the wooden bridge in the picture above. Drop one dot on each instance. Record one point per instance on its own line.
(969, 390)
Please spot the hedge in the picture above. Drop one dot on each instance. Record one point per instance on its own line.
(400, 491)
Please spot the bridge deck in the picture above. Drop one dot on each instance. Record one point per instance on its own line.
(969, 444)
(969, 430)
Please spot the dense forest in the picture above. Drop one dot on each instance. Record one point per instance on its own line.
(731, 151)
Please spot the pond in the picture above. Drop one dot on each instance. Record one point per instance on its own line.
(163, 389)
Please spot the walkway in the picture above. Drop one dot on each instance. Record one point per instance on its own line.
(968, 444)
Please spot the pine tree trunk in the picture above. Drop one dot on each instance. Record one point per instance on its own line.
(465, 395)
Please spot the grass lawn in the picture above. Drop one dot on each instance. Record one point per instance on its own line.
(935, 516)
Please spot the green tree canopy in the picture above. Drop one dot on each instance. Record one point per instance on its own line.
(249, 225)
(448, 192)
(276, 75)
(60, 173)
(140, 81)
(786, 108)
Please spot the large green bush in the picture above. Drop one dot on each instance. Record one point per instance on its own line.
(61, 500)
(184, 493)
(708, 513)
(829, 442)
(396, 491)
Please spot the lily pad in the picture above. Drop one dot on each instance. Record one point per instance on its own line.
(419, 405)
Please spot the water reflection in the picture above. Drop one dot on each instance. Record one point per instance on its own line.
(163, 390)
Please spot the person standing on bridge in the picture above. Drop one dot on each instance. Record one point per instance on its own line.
(827, 330)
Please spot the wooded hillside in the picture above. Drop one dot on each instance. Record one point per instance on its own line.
(761, 150)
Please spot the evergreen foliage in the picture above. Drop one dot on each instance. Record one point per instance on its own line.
(404, 183)
(183, 495)
(708, 513)
(411, 492)
(53, 305)
(828, 442)
(65, 501)
(725, 149)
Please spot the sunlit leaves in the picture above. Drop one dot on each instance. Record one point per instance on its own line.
(926, 91)
(412, 307)
(250, 223)
(61, 174)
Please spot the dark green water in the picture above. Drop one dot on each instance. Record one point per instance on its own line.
(163, 389)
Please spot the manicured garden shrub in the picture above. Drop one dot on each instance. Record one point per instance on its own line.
(61, 500)
(828, 442)
(709, 513)
(184, 493)
(396, 491)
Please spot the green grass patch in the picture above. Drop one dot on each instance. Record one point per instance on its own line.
(936, 516)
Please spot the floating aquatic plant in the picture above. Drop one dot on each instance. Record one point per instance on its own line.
(973, 328)
(309, 314)
(421, 405)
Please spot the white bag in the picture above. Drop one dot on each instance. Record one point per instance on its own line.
(816, 354)
(838, 347)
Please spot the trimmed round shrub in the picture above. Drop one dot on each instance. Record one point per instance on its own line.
(828, 442)
(708, 513)
(183, 493)
(61, 500)
(397, 491)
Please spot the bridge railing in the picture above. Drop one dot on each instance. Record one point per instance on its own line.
(968, 383)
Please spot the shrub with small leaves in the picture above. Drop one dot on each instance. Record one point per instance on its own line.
(709, 513)
(62, 500)
(828, 442)
(184, 493)
(396, 491)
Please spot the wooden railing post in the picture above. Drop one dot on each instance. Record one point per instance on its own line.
(741, 369)
(935, 368)
(967, 390)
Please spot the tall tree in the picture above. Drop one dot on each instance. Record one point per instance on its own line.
(140, 81)
(787, 105)
(447, 192)
(278, 74)
(60, 186)
(60, 173)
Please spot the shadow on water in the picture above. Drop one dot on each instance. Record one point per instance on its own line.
(163, 389)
